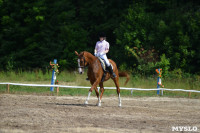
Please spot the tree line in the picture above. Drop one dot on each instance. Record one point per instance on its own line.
(143, 35)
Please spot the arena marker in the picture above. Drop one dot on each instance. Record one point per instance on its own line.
(53, 78)
(159, 83)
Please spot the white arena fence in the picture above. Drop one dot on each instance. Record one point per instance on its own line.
(85, 87)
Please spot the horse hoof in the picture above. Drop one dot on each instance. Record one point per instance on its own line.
(86, 102)
(120, 105)
(99, 104)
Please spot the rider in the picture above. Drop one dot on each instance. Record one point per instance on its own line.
(101, 49)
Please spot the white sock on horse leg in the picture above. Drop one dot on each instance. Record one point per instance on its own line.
(89, 93)
(120, 102)
(99, 101)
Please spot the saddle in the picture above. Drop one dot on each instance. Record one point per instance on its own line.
(103, 64)
(104, 67)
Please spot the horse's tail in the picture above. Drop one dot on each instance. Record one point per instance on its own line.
(124, 74)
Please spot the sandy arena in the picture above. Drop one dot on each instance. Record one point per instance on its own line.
(52, 114)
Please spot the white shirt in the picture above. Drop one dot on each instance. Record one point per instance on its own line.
(102, 46)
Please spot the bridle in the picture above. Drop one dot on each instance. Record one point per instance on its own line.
(79, 66)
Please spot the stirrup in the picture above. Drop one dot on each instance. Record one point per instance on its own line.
(87, 79)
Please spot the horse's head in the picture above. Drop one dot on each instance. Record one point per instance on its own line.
(81, 62)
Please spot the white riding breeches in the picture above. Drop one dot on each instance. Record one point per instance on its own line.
(106, 59)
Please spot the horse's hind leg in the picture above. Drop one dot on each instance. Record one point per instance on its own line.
(116, 80)
(97, 92)
(100, 96)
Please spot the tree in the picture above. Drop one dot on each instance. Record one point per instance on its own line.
(34, 32)
(170, 29)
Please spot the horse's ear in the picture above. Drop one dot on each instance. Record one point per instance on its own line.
(76, 53)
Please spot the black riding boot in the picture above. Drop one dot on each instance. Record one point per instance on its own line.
(111, 71)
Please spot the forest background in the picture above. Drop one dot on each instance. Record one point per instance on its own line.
(143, 34)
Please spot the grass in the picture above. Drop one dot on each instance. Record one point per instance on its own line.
(74, 79)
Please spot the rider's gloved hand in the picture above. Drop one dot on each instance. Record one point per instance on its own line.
(102, 53)
(99, 54)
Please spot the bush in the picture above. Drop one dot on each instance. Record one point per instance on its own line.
(164, 64)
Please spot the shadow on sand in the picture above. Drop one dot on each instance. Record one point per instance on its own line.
(79, 105)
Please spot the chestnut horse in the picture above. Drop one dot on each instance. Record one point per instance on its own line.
(95, 73)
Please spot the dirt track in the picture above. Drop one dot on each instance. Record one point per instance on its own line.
(30, 113)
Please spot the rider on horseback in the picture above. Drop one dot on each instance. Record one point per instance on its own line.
(101, 49)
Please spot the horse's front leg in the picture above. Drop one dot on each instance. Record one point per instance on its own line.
(88, 98)
(94, 86)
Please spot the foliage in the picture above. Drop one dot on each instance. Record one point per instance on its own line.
(164, 64)
(169, 27)
(165, 33)
(37, 31)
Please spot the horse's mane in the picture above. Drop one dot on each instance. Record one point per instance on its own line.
(86, 52)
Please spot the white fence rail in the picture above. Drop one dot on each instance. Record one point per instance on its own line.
(122, 88)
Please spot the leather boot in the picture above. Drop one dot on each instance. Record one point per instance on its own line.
(111, 71)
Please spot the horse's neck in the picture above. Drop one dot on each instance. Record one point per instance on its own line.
(89, 57)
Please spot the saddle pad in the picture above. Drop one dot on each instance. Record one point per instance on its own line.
(103, 64)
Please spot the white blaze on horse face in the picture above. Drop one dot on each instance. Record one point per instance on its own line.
(80, 70)
(78, 62)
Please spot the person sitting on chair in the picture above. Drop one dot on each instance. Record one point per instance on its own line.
(101, 49)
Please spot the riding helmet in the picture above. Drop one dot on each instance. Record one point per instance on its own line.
(102, 34)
